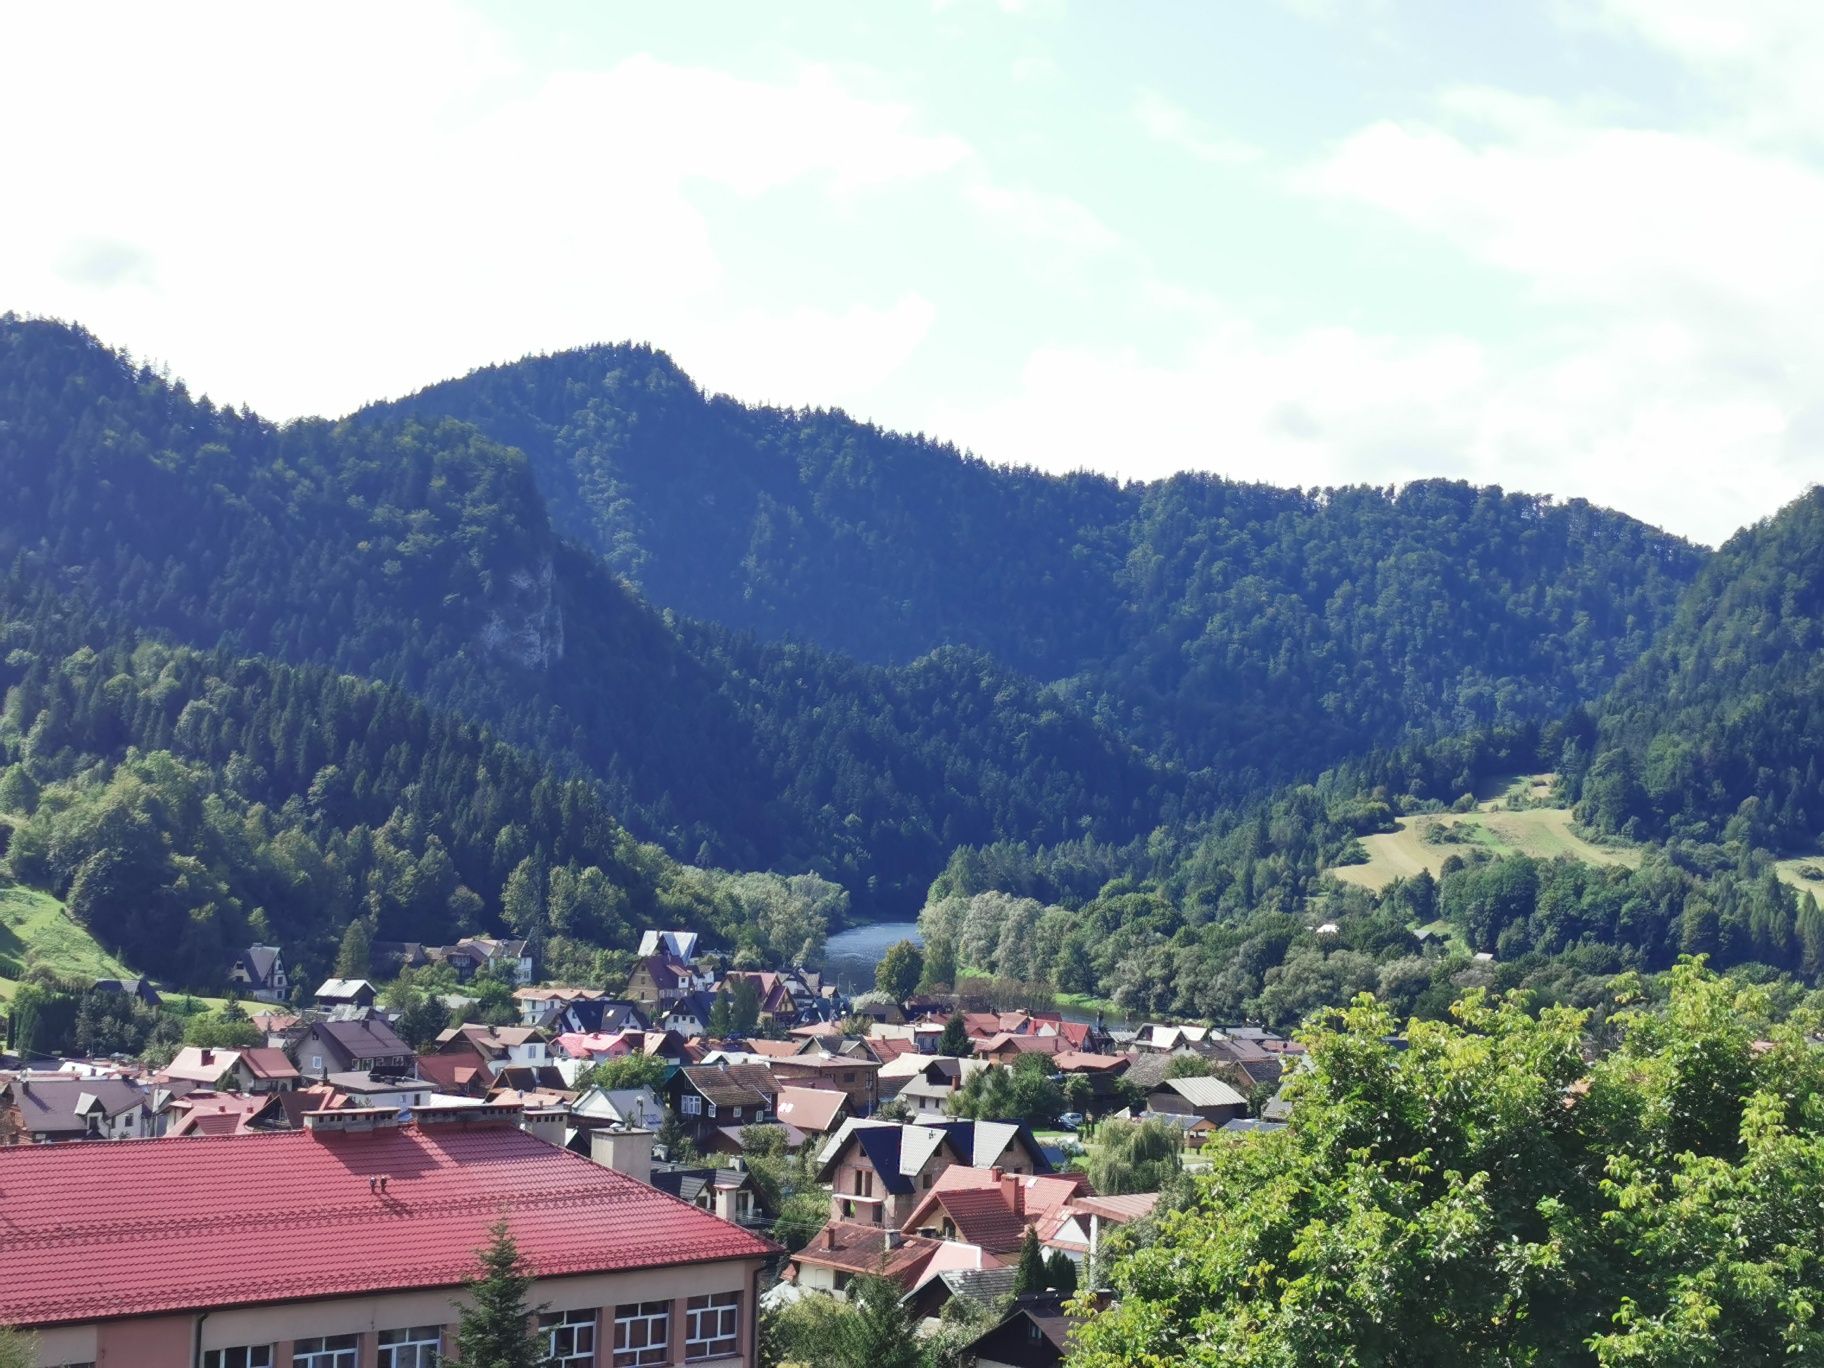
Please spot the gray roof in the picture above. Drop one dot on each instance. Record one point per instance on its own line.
(370, 1038)
(260, 959)
(56, 1105)
(1205, 1092)
(984, 1286)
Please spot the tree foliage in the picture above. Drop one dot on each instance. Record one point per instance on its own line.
(1489, 1194)
(495, 1329)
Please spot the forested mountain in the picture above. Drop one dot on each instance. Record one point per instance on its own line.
(1261, 632)
(1718, 730)
(421, 555)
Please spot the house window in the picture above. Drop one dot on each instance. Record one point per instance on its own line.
(690, 1105)
(316, 1062)
(642, 1333)
(247, 1356)
(326, 1351)
(418, 1347)
(570, 1339)
(711, 1324)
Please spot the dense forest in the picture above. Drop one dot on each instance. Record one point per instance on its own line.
(1718, 730)
(1261, 633)
(543, 649)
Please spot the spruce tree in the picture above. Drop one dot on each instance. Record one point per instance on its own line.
(1061, 1273)
(955, 1039)
(721, 1017)
(496, 1327)
(1029, 1276)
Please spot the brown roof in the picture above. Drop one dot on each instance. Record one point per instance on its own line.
(811, 1109)
(773, 1049)
(268, 1063)
(733, 1085)
(1075, 1061)
(826, 1062)
(856, 1248)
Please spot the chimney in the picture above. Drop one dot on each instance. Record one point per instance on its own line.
(208, 1056)
(625, 1149)
(829, 1237)
(1012, 1191)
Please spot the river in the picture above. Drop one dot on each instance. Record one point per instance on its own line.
(850, 957)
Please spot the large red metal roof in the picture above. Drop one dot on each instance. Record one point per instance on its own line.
(98, 1229)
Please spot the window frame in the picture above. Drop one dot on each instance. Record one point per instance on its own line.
(649, 1314)
(331, 1351)
(389, 1356)
(217, 1358)
(583, 1326)
(724, 1341)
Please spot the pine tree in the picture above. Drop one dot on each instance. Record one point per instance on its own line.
(879, 1333)
(1029, 1276)
(954, 1041)
(721, 1017)
(496, 1326)
(1811, 936)
(355, 959)
(744, 1010)
(1061, 1273)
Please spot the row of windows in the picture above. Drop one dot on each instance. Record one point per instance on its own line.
(642, 1335)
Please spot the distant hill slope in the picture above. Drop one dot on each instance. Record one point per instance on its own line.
(421, 555)
(1719, 728)
(1256, 631)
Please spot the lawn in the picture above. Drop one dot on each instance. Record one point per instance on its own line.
(35, 930)
(1542, 832)
(1805, 873)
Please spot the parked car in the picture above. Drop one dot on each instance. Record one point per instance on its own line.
(1071, 1121)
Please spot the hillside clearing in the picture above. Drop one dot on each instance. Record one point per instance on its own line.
(1543, 833)
(1805, 873)
(36, 930)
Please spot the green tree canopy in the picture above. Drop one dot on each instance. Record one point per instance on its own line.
(1489, 1195)
(899, 970)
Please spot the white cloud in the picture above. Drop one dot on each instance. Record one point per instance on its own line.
(303, 221)
(809, 357)
(1165, 122)
(1043, 217)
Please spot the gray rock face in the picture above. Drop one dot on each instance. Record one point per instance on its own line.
(528, 627)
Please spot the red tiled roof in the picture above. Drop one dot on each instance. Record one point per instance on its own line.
(136, 1227)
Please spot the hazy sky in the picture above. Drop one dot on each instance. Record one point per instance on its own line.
(1565, 247)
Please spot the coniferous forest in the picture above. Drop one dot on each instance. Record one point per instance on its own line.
(568, 647)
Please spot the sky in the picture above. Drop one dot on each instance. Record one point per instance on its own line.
(1568, 248)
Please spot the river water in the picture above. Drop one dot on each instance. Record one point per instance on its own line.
(850, 957)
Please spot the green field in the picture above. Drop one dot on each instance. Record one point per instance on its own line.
(35, 930)
(1805, 873)
(1542, 832)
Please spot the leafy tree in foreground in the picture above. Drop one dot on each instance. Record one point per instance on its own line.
(870, 1330)
(899, 970)
(1488, 1196)
(495, 1330)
